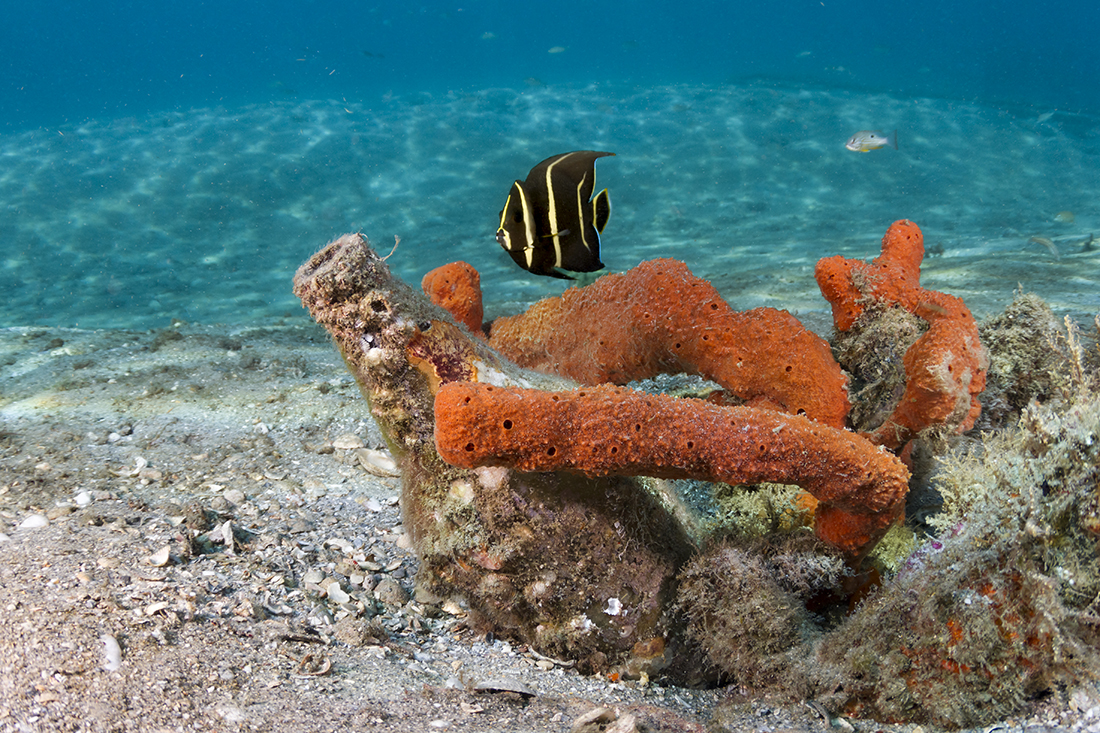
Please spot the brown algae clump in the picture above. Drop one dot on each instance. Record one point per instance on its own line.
(1003, 605)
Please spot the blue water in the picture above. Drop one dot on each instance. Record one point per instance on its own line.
(164, 160)
(64, 62)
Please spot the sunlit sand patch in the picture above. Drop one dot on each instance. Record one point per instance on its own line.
(738, 181)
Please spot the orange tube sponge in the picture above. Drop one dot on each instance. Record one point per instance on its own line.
(945, 368)
(608, 430)
(457, 289)
(659, 318)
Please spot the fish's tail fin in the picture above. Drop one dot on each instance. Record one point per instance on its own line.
(892, 140)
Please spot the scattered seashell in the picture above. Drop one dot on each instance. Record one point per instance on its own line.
(607, 720)
(277, 608)
(226, 532)
(452, 607)
(112, 653)
(150, 474)
(33, 521)
(1065, 217)
(341, 544)
(595, 716)
(108, 563)
(336, 594)
(347, 441)
(160, 558)
(566, 663)
(614, 607)
(154, 608)
(82, 499)
(377, 463)
(504, 683)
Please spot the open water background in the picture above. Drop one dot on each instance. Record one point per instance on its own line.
(178, 160)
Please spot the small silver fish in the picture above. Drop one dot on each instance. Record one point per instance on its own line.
(865, 141)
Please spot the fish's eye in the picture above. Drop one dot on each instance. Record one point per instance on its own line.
(517, 217)
(424, 325)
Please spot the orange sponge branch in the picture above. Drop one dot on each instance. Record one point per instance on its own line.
(457, 288)
(659, 318)
(945, 368)
(608, 430)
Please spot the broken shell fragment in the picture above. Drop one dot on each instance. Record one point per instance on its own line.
(160, 558)
(504, 683)
(112, 653)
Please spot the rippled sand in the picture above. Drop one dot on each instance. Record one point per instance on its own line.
(203, 215)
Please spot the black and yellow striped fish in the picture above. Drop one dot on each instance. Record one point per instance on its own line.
(549, 224)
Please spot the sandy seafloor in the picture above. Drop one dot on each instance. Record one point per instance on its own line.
(119, 445)
(125, 429)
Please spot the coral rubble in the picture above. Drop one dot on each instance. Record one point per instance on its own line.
(945, 368)
(1002, 606)
(606, 430)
